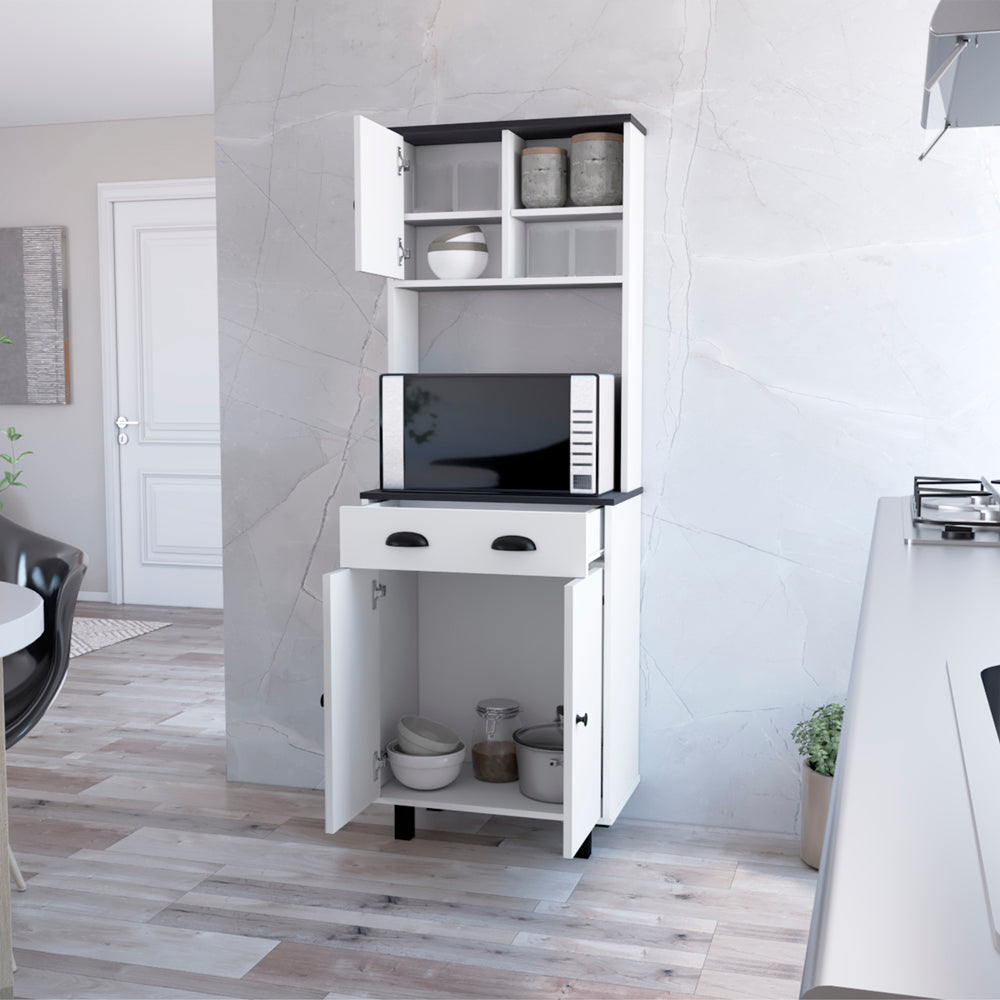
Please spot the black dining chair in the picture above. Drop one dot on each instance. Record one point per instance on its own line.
(33, 676)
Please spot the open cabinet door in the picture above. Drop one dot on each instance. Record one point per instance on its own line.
(582, 673)
(350, 694)
(379, 198)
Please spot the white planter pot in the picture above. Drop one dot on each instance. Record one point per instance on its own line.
(815, 806)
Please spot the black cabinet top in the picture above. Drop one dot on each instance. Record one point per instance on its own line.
(526, 128)
(572, 499)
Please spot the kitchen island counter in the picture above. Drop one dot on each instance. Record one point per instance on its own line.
(901, 907)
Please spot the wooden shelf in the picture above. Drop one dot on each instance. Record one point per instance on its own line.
(466, 794)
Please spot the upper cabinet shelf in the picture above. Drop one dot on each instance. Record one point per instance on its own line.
(568, 213)
(415, 183)
(486, 216)
(552, 281)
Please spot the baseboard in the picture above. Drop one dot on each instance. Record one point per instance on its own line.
(94, 595)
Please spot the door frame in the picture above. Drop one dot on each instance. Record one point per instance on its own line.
(107, 195)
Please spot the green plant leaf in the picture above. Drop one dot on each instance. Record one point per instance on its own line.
(11, 477)
(818, 737)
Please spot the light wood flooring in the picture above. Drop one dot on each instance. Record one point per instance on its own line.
(151, 876)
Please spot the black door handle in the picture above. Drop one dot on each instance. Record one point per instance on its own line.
(513, 543)
(582, 718)
(406, 540)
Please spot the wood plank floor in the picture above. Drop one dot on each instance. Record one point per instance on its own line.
(151, 876)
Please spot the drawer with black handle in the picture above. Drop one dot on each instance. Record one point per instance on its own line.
(506, 539)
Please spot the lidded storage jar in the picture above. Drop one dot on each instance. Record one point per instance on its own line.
(543, 177)
(494, 754)
(595, 170)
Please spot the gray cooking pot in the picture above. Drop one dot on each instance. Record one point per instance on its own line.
(540, 761)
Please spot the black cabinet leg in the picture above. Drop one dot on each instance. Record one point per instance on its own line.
(584, 851)
(406, 822)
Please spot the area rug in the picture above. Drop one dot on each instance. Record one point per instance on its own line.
(96, 633)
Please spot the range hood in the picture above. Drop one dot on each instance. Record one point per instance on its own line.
(962, 85)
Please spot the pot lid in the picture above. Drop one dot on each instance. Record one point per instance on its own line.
(543, 149)
(548, 736)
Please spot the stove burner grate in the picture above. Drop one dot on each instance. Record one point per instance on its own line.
(957, 504)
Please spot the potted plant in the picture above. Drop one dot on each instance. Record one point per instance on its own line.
(818, 740)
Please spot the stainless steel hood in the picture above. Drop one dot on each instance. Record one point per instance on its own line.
(962, 84)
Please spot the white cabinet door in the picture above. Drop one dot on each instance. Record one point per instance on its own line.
(584, 639)
(379, 198)
(368, 644)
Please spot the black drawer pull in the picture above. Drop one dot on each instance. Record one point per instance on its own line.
(406, 540)
(582, 718)
(513, 543)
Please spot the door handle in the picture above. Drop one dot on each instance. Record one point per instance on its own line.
(513, 543)
(582, 718)
(121, 423)
(406, 540)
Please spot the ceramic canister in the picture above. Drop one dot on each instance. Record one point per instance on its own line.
(595, 172)
(543, 177)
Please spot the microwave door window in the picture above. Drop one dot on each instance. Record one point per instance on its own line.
(486, 433)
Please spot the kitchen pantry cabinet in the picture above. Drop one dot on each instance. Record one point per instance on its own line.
(434, 628)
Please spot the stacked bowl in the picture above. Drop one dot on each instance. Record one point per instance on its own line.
(461, 253)
(426, 754)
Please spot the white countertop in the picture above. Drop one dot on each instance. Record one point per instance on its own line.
(21, 617)
(900, 904)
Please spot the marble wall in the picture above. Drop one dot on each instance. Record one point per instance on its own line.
(819, 328)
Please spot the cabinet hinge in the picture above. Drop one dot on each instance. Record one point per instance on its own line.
(402, 253)
(402, 163)
(378, 590)
(379, 758)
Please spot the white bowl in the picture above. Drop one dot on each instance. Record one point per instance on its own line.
(424, 773)
(418, 735)
(464, 234)
(457, 263)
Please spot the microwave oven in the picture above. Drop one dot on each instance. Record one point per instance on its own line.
(498, 433)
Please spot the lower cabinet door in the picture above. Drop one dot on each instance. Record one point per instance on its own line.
(472, 637)
(582, 721)
(369, 631)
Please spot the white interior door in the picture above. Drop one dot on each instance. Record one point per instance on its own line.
(167, 386)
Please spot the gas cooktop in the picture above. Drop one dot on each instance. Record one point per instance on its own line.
(953, 512)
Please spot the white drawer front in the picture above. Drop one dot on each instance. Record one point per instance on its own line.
(461, 539)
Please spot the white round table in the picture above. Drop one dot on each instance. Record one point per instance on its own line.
(21, 622)
(21, 617)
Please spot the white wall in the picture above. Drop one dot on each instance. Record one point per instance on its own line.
(820, 327)
(49, 176)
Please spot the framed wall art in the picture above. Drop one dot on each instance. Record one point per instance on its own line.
(34, 367)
